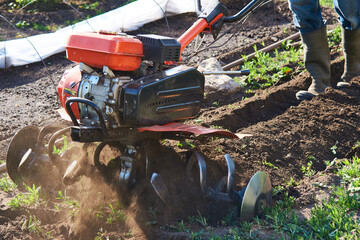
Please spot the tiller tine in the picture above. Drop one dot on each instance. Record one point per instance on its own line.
(251, 200)
(20, 147)
(28, 155)
(78, 168)
(160, 188)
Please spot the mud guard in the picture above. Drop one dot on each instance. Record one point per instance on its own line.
(188, 130)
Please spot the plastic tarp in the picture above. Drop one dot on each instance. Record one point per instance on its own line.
(127, 18)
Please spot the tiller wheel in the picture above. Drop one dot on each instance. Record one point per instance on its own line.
(31, 158)
(251, 200)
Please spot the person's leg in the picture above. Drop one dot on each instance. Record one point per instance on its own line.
(349, 17)
(307, 15)
(307, 18)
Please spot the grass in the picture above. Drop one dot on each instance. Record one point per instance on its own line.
(112, 214)
(308, 172)
(30, 198)
(33, 225)
(68, 203)
(6, 185)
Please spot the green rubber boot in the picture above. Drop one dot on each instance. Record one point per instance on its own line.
(317, 62)
(351, 46)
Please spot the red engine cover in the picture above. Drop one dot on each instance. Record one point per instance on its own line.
(122, 53)
(68, 87)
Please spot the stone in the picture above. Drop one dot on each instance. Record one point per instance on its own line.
(215, 83)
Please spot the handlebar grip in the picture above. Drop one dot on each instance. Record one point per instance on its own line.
(254, 4)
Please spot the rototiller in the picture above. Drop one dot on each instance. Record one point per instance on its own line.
(127, 93)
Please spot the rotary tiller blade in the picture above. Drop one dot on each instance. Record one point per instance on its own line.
(258, 194)
(23, 140)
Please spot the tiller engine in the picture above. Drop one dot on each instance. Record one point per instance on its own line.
(127, 93)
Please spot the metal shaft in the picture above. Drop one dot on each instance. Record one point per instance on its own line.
(242, 72)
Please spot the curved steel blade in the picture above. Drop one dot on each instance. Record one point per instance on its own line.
(23, 140)
(258, 194)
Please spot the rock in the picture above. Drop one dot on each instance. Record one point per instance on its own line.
(215, 83)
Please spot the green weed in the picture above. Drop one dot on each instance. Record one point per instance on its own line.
(267, 70)
(116, 214)
(22, 24)
(269, 164)
(334, 219)
(65, 146)
(33, 225)
(243, 232)
(350, 173)
(334, 37)
(201, 220)
(152, 215)
(229, 219)
(31, 197)
(6, 185)
(283, 220)
(291, 183)
(308, 172)
(196, 235)
(72, 205)
(20, 3)
(91, 6)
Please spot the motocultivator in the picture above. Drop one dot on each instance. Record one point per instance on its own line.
(126, 94)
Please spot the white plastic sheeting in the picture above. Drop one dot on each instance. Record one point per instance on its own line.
(127, 18)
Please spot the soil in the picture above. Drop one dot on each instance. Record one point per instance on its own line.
(282, 131)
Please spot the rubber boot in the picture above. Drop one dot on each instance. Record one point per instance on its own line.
(317, 62)
(351, 46)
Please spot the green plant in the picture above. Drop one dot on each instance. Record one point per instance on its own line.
(22, 24)
(283, 220)
(269, 164)
(196, 235)
(334, 218)
(33, 225)
(152, 215)
(101, 235)
(91, 6)
(243, 232)
(334, 37)
(350, 173)
(20, 3)
(201, 220)
(116, 214)
(181, 227)
(266, 70)
(45, 28)
(291, 183)
(64, 147)
(228, 219)
(308, 172)
(7, 185)
(68, 203)
(31, 197)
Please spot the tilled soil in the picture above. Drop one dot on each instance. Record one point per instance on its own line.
(283, 131)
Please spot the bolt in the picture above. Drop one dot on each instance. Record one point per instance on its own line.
(111, 101)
